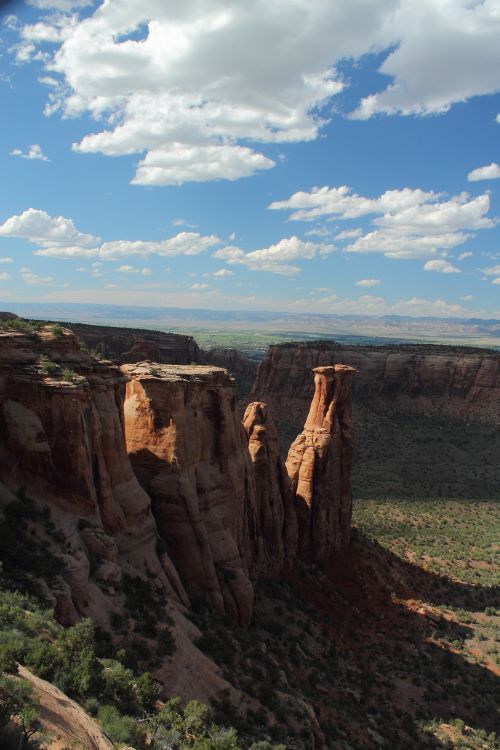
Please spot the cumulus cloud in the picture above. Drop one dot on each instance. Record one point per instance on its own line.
(45, 230)
(57, 237)
(491, 271)
(368, 282)
(496, 281)
(200, 287)
(63, 5)
(465, 255)
(491, 172)
(408, 223)
(155, 75)
(4, 276)
(275, 258)
(444, 53)
(29, 277)
(6, 260)
(34, 153)
(223, 272)
(441, 266)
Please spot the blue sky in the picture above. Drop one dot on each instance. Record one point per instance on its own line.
(300, 155)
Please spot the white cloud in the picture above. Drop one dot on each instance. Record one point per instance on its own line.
(275, 258)
(156, 75)
(200, 286)
(186, 163)
(491, 271)
(6, 260)
(45, 230)
(63, 5)
(467, 297)
(222, 272)
(4, 276)
(441, 266)
(368, 282)
(34, 153)
(411, 223)
(57, 237)
(349, 234)
(29, 277)
(342, 203)
(318, 232)
(463, 256)
(491, 172)
(496, 281)
(444, 52)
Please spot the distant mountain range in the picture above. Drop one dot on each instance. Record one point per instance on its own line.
(472, 331)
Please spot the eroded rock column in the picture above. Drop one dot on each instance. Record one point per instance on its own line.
(189, 451)
(319, 466)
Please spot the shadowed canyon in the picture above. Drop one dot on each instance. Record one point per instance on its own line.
(207, 532)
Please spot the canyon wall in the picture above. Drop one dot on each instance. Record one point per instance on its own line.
(450, 380)
(61, 443)
(128, 345)
(148, 470)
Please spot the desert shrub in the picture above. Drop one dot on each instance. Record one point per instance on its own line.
(118, 685)
(148, 692)
(121, 729)
(49, 367)
(69, 375)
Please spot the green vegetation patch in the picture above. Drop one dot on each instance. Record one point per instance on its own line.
(456, 538)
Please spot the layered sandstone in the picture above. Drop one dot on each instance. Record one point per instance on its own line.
(189, 451)
(275, 509)
(426, 378)
(129, 345)
(319, 466)
(231, 359)
(61, 440)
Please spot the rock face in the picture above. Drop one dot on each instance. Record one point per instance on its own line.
(189, 451)
(231, 359)
(433, 379)
(275, 509)
(128, 345)
(149, 470)
(319, 467)
(62, 441)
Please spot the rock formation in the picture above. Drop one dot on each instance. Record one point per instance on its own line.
(61, 441)
(189, 451)
(149, 471)
(128, 345)
(319, 467)
(437, 379)
(275, 509)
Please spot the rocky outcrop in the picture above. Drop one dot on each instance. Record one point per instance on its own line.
(319, 467)
(275, 509)
(189, 451)
(61, 440)
(426, 378)
(129, 345)
(231, 359)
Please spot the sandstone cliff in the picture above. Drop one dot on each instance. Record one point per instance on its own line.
(421, 377)
(128, 345)
(319, 467)
(275, 509)
(188, 449)
(61, 441)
